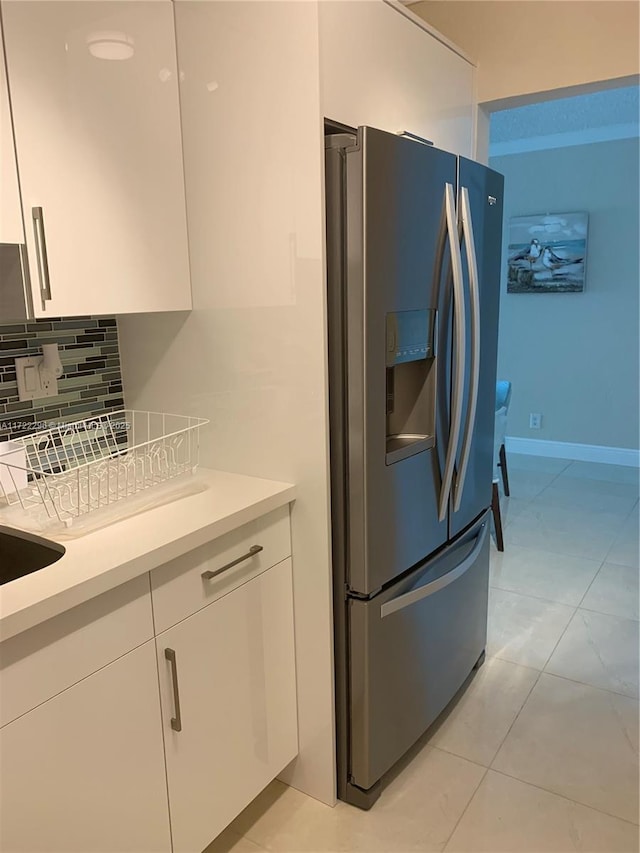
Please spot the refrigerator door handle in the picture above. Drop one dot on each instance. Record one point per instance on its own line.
(459, 350)
(409, 598)
(474, 294)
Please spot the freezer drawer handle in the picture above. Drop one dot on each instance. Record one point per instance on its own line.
(41, 254)
(416, 595)
(474, 294)
(176, 722)
(459, 351)
(255, 549)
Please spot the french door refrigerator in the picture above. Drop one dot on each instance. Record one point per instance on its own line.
(413, 269)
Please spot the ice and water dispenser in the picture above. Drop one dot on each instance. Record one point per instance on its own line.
(411, 383)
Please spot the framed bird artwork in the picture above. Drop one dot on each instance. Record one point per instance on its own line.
(547, 253)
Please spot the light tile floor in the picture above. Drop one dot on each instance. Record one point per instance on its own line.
(541, 751)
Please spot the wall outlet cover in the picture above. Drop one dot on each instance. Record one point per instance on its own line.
(32, 383)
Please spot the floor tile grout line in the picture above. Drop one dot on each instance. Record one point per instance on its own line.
(572, 462)
(541, 526)
(566, 628)
(538, 673)
(543, 670)
(633, 567)
(489, 767)
(516, 663)
(627, 517)
(572, 607)
(471, 799)
(563, 797)
(564, 474)
(599, 569)
(513, 663)
(515, 719)
(508, 541)
(456, 755)
(555, 478)
(555, 551)
(615, 542)
(608, 517)
(537, 679)
(253, 843)
(597, 574)
(284, 789)
(587, 684)
(592, 687)
(239, 837)
(537, 549)
(548, 600)
(571, 681)
(612, 615)
(575, 607)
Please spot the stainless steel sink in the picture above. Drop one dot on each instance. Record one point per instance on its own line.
(23, 553)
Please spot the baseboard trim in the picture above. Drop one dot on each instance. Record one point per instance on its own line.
(577, 452)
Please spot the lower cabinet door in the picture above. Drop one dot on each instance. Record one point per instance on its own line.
(228, 695)
(84, 772)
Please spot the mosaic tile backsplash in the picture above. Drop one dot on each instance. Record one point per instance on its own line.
(91, 383)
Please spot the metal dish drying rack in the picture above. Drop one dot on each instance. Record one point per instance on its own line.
(77, 468)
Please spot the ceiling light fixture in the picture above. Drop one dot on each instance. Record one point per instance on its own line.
(110, 44)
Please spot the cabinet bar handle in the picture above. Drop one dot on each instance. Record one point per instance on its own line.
(41, 253)
(176, 722)
(255, 549)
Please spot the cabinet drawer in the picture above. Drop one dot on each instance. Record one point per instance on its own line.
(178, 588)
(43, 661)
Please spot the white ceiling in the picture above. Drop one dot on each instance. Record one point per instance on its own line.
(579, 120)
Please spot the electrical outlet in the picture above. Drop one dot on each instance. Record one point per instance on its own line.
(34, 382)
(535, 420)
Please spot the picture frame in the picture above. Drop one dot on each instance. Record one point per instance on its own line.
(547, 253)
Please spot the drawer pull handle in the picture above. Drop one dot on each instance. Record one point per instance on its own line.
(41, 254)
(176, 722)
(255, 549)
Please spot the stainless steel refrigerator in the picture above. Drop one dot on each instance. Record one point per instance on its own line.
(413, 269)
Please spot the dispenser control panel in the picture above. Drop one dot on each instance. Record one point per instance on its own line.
(410, 336)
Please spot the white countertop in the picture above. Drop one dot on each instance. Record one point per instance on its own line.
(105, 558)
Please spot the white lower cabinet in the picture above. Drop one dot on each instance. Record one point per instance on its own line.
(113, 740)
(84, 771)
(228, 695)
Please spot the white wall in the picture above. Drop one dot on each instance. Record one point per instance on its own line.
(251, 355)
(574, 356)
(524, 47)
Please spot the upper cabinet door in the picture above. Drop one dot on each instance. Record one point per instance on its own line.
(15, 291)
(11, 229)
(381, 69)
(94, 94)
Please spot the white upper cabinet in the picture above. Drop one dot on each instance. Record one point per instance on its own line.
(94, 94)
(379, 68)
(11, 229)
